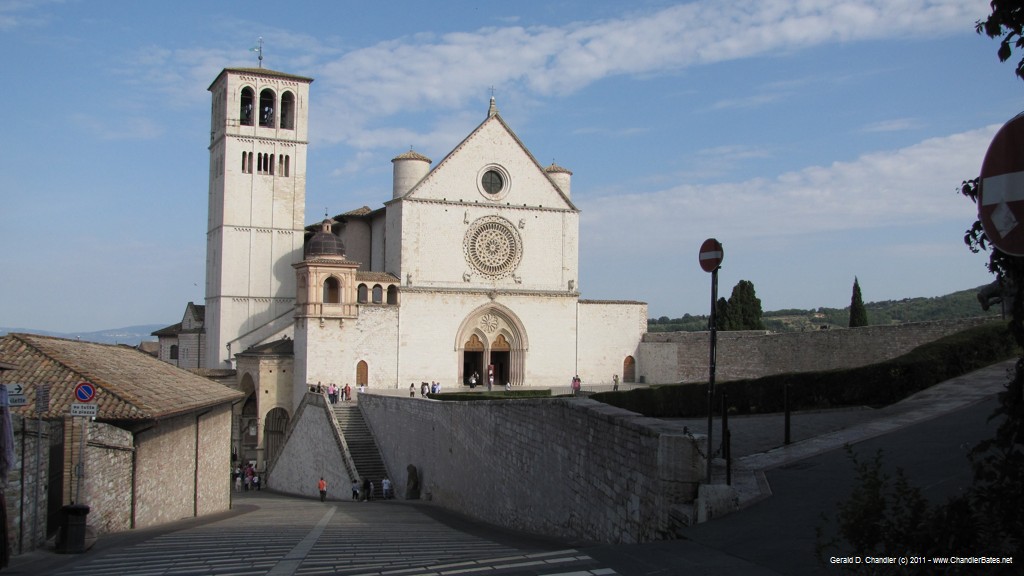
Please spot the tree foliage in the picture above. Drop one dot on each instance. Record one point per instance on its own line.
(743, 310)
(858, 313)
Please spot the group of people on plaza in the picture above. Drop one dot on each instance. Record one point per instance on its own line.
(362, 490)
(247, 478)
(425, 388)
(335, 392)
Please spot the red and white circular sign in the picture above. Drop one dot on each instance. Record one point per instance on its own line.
(711, 254)
(1001, 189)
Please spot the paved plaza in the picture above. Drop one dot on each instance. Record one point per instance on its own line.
(783, 491)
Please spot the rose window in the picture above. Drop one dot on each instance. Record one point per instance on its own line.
(493, 247)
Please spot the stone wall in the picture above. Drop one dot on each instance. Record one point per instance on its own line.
(567, 467)
(107, 485)
(183, 468)
(22, 483)
(313, 448)
(669, 357)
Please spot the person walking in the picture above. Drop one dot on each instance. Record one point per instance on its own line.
(322, 487)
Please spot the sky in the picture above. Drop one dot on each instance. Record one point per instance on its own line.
(818, 141)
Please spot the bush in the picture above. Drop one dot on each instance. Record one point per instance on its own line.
(493, 395)
(874, 385)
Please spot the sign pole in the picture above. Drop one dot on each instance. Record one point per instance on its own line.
(711, 363)
(710, 258)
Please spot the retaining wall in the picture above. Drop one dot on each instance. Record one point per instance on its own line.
(572, 468)
(668, 357)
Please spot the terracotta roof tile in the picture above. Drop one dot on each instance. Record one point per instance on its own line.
(364, 276)
(130, 385)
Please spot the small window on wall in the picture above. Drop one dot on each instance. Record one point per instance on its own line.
(361, 294)
(245, 111)
(288, 111)
(174, 351)
(378, 294)
(392, 294)
(332, 291)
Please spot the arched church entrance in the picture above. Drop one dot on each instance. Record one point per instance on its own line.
(492, 335)
(473, 360)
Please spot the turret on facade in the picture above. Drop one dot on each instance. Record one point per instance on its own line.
(562, 177)
(409, 169)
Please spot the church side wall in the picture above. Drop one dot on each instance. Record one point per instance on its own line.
(333, 350)
(561, 467)
(609, 332)
(683, 356)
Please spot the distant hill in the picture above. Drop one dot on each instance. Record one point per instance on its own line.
(130, 335)
(962, 304)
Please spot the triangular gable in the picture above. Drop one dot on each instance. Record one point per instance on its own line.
(456, 178)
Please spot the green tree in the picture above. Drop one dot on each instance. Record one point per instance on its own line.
(743, 311)
(722, 314)
(858, 314)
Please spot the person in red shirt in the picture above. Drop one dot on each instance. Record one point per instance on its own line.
(322, 487)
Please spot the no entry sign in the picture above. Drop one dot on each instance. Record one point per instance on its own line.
(711, 255)
(1001, 193)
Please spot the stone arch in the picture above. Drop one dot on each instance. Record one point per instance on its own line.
(629, 369)
(362, 373)
(274, 427)
(247, 425)
(504, 344)
(332, 291)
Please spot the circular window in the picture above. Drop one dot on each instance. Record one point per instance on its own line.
(492, 182)
(493, 247)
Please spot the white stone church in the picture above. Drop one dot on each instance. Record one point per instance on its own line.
(469, 265)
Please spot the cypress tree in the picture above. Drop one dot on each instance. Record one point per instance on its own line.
(858, 314)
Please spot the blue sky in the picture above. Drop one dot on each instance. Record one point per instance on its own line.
(816, 141)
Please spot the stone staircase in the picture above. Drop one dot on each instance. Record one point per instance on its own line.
(361, 445)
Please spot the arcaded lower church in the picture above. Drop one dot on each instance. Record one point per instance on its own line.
(468, 265)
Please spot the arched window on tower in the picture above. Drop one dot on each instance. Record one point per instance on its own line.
(361, 294)
(288, 111)
(245, 163)
(245, 109)
(267, 108)
(332, 291)
(392, 294)
(378, 294)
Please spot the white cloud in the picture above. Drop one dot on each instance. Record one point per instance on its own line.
(914, 185)
(444, 72)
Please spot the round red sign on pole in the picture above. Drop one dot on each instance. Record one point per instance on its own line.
(711, 254)
(1001, 189)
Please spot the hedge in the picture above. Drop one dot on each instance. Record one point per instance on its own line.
(874, 385)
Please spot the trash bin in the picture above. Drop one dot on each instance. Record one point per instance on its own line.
(71, 537)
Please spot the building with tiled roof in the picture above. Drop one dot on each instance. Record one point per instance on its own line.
(149, 416)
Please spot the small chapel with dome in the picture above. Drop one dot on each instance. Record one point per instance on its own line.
(469, 266)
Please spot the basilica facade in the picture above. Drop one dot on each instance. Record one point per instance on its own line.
(469, 267)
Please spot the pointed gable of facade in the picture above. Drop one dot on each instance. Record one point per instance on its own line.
(462, 176)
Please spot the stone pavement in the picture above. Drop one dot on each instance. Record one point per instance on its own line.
(757, 441)
(279, 535)
(266, 533)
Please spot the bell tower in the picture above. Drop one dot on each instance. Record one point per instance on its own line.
(257, 196)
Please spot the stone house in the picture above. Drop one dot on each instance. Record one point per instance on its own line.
(157, 450)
